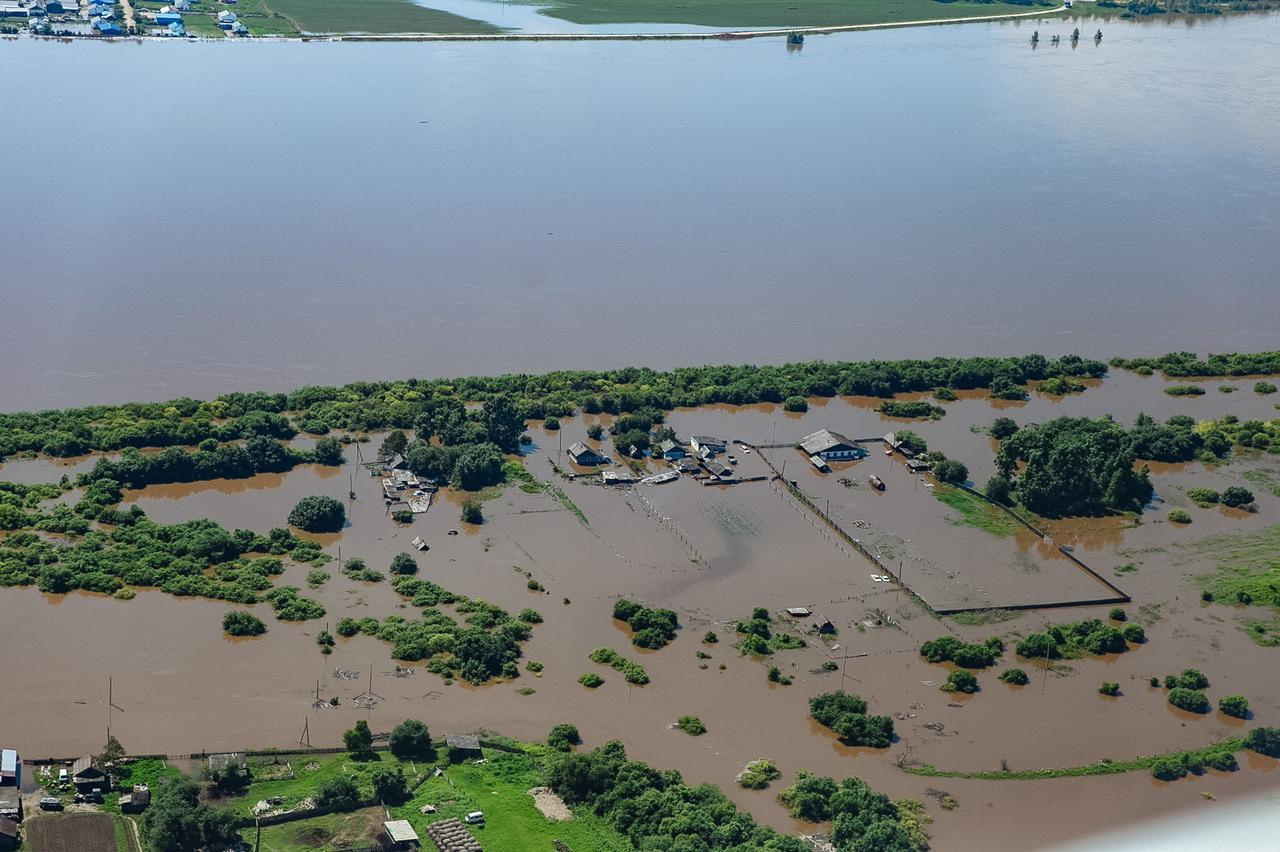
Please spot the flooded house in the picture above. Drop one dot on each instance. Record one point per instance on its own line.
(706, 446)
(831, 446)
(585, 456)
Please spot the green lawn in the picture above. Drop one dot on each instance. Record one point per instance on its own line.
(330, 832)
(771, 13)
(976, 512)
(499, 787)
(371, 16)
(149, 772)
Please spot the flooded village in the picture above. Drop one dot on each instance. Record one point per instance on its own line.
(823, 518)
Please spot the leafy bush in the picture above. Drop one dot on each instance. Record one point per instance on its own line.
(318, 514)
(410, 740)
(1264, 740)
(950, 471)
(1203, 495)
(1168, 769)
(1193, 679)
(404, 564)
(710, 637)
(961, 681)
(1109, 687)
(402, 516)
(1189, 699)
(1038, 645)
(1118, 614)
(691, 725)
(359, 740)
(631, 672)
(338, 793)
(1264, 388)
(758, 774)
(1179, 516)
(1016, 677)
(564, 737)
(472, 512)
(1134, 633)
(1002, 427)
(290, 606)
(915, 409)
(795, 403)
(1184, 390)
(590, 680)
(530, 616)
(1235, 496)
(1234, 705)
(240, 623)
(950, 649)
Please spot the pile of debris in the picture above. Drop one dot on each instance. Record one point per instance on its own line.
(452, 836)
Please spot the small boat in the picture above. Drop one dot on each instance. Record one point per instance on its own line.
(876, 482)
(795, 38)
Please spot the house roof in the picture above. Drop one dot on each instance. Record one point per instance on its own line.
(8, 828)
(86, 765)
(8, 763)
(719, 469)
(823, 441)
(400, 831)
(220, 761)
(706, 440)
(579, 449)
(668, 445)
(464, 741)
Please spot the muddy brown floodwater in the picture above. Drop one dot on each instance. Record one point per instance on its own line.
(711, 553)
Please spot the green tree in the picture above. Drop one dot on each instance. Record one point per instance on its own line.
(1109, 687)
(476, 467)
(112, 751)
(1264, 740)
(961, 680)
(404, 564)
(563, 737)
(359, 740)
(410, 740)
(472, 512)
(1002, 427)
(1190, 700)
(809, 798)
(1234, 705)
(389, 786)
(328, 451)
(1235, 496)
(502, 422)
(318, 514)
(950, 470)
(1168, 769)
(1016, 677)
(339, 793)
(394, 444)
(999, 489)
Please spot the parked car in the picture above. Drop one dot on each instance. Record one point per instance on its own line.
(474, 818)
(50, 803)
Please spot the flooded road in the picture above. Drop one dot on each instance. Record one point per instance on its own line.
(711, 553)
(372, 211)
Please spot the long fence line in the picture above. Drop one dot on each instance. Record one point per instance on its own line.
(1119, 597)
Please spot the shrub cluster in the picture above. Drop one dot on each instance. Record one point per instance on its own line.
(651, 628)
(948, 649)
(631, 672)
(846, 714)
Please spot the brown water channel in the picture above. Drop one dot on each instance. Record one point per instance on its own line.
(711, 553)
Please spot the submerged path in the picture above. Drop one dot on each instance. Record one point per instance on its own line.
(698, 36)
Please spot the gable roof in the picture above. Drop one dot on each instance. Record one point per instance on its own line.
(470, 742)
(823, 441)
(87, 766)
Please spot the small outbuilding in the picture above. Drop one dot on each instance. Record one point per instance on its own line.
(165, 19)
(89, 775)
(137, 800)
(104, 27)
(585, 456)
(463, 746)
(619, 476)
(401, 834)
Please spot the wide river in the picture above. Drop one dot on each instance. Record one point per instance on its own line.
(196, 218)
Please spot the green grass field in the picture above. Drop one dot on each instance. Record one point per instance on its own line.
(976, 512)
(499, 787)
(371, 16)
(771, 13)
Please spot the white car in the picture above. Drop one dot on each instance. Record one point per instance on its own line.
(474, 818)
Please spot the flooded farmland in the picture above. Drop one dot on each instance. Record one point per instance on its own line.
(712, 553)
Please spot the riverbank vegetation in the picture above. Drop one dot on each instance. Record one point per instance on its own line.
(760, 13)
(438, 408)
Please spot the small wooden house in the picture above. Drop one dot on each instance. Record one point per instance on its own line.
(89, 775)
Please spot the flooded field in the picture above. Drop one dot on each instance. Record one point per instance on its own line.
(712, 553)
